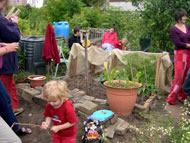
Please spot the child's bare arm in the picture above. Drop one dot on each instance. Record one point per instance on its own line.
(55, 129)
(46, 124)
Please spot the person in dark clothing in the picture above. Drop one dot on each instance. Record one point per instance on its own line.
(7, 117)
(75, 38)
(9, 33)
(186, 84)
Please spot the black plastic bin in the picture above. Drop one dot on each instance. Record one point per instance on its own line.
(33, 62)
(145, 44)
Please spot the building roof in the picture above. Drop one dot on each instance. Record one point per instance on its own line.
(117, 0)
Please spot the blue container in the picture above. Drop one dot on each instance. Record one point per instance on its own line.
(102, 115)
(61, 29)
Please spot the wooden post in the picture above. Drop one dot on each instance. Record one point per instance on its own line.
(157, 72)
(86, 62)
(17, 12)
(114, 62)
(10, 12)
(92, 68)
(73, 66)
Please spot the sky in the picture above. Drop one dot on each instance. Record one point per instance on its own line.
(37, 3)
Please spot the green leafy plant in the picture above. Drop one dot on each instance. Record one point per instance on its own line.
(138, 69)
(114, 74)
(176, 133)
(21, 56)
(158, 16)
(21, 75)
(144, 70)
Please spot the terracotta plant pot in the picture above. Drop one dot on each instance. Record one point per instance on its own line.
(122, 100)
(36, 80)
(21, 80)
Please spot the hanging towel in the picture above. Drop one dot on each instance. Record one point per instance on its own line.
(50, 50)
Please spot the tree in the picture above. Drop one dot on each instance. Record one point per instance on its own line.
(158, 16)
(94, 3)
(59, 10)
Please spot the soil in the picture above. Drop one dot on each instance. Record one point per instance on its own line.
(33, 114)
(95, 89)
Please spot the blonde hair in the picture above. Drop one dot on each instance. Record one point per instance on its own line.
(55, 90)
(124, 41)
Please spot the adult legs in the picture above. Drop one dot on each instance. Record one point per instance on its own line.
(6, 133)
(181, 63)
(6, 111)
(9, 83)
(186, 84)
(107, 47)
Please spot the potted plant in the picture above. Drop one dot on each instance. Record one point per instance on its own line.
(121, 94)
(36, 80)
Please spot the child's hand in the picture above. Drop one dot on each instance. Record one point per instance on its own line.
(44, 126)
(55, 129)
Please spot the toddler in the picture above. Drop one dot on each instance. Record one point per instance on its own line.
(60, 111)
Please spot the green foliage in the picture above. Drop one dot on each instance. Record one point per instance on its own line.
(176, 133)
(122, 83)
(143, 70)
(138, 69)
(21, 57)
(158, 16)
(88, 17)
(21, 75)
(31, 21)
(128, 25)
(94, 3)
(65, 48)
(62, 10)
(122, 77)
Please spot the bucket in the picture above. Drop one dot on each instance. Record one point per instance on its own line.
(61, 29)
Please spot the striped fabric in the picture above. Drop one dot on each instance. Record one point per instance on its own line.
(182, 65)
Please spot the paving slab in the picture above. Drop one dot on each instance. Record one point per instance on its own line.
(39, 88)
(122, 128)
(20, 87)
(82, 93)
(29, 93)
(83, 116)
(110, 131)
(100, 101)
(88, 107)
(89, 98)
(38, 99)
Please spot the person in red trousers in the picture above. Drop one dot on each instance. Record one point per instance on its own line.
(180, 34)
(9, 33)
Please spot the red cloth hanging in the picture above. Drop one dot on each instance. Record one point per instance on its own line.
(50, 50)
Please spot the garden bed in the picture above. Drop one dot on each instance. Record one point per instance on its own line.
(34, 114)
(96, 89)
